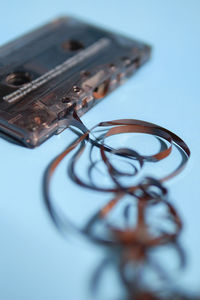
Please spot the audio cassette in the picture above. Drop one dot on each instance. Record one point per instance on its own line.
(62, 67)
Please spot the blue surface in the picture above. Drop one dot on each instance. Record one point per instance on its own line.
(35, 261)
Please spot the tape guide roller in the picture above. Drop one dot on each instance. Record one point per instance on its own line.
(63, 66)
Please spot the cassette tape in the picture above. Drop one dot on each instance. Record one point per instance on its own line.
(63, 66)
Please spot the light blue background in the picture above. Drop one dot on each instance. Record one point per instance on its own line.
(35, 261)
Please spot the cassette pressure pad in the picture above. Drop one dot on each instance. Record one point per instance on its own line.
(63, 66)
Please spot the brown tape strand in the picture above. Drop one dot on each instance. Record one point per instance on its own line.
(134, 242)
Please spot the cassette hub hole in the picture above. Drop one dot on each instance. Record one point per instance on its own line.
(72, 45)
(18, 78)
